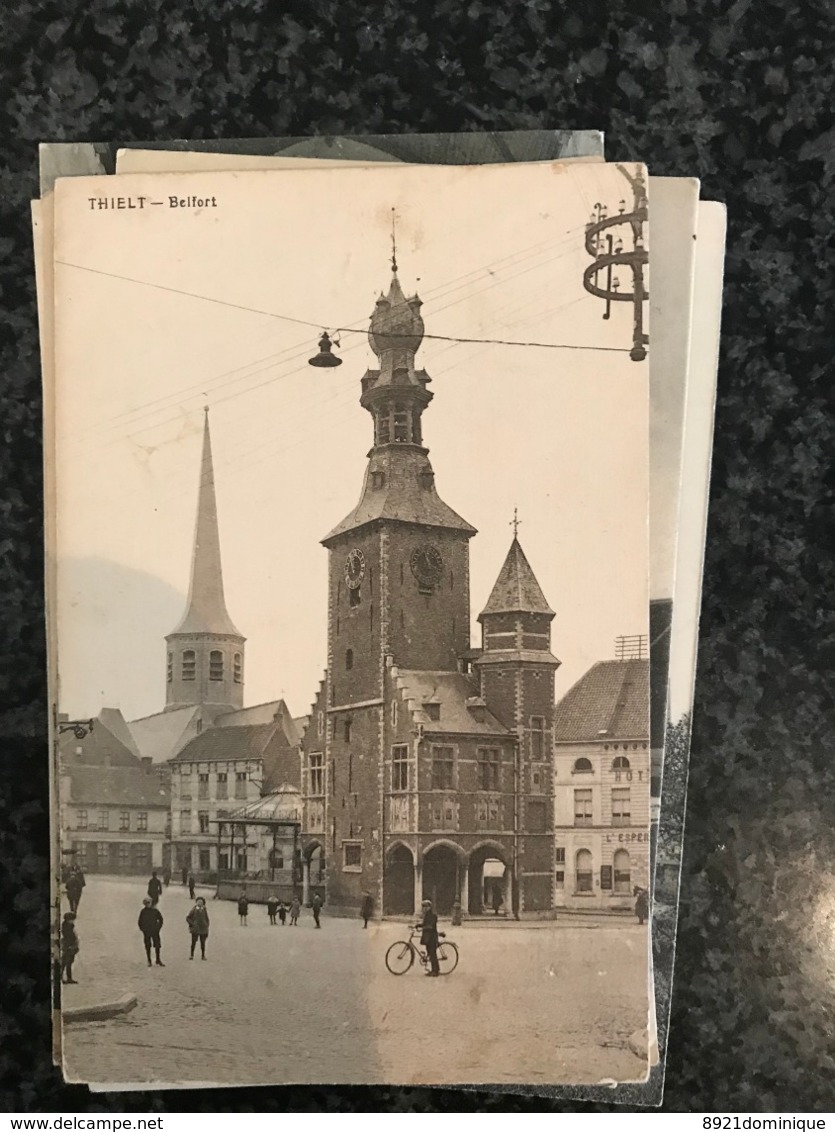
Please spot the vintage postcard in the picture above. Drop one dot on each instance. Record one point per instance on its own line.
(315, 689)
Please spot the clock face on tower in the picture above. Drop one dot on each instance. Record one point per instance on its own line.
(427, 564)
(354, 569)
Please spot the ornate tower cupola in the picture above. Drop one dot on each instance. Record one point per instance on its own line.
(205, 662)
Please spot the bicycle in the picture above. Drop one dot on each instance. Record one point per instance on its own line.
(401, 955)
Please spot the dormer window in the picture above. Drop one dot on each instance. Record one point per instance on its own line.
(189, 669)
(433, 710)
(216, 665)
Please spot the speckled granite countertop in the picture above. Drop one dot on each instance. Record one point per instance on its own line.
(739, 94)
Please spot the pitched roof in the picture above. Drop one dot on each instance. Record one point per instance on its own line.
(516, 589)
(115, 786)
(244, 717)
(225, 744)
(453, 691)
(159, 736)
(408, 494)
(114, 721)
(610, 702)
(206, 607)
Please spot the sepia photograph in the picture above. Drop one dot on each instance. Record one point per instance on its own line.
(351, 612)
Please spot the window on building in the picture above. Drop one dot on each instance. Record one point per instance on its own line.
(170, 668)
(443, 768)
(383, 428)
(623, 873)
(320, 723)
(536, 780)
(203, 822)
(81, 855)
(559, 878)
(103, 854)
(444, 814)
(346, 730)
(433, 711)
(394, 713)
(317, 774)
(223, 785)
(189, 661)
(400, 768)
(124, 857)
(583, 871)
(185, 784)
(349, 659)
(378, 479)
(582, 807)
(238, 668)
(104, 819)
(583, 766)
(202, 786)
(537, 737)
(559, 854)
(142, 821)
(215, 665)
(81, 819)
(620, 763)
(185, 821)
(355, 597)
(489, 761)
(205, 860)
(352, 856)
(621, 805)
(241, 779)
(487, 813)
(124, 819)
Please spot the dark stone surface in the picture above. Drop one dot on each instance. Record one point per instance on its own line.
(737, 93)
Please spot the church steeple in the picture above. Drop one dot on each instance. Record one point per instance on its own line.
(205, 651)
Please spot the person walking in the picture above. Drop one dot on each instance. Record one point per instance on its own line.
(70, 946)
(166, 876)
(429, 937)
(295, 908)
(150, 924)
(316, 905)
(282, 913)
(198, 925)
(185, 876)
(272, 908)
(74, 885)
(641, 904)
(243, 908)
(366, 909)
(497, 899)
(191, 882)
(154, 888)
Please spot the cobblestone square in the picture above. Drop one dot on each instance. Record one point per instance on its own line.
(545, 1003)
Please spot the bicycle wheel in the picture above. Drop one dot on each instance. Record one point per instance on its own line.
(447, 957)
(399, 957)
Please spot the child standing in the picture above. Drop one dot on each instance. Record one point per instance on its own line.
(243, 908)
(282, 913)
(272, 908)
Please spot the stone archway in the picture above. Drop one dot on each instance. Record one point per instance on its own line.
(313, 871)
(489, 880)
(399, 888)
(442, 876)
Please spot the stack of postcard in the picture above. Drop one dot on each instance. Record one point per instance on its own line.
(377, 476)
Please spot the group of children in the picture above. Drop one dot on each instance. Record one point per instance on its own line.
(276, 910)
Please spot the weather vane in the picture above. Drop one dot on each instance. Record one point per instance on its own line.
(393, 241)
(515, 522)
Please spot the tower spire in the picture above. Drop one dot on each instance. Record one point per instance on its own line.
(393, 242)
(206, 607)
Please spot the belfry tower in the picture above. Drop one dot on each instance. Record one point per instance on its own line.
(205, 661)
(399, 562)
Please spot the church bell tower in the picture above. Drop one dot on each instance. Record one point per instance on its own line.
(205, 653)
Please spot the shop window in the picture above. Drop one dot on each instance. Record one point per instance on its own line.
(103, 853)
(583, 872)
(623, 873)
(124, 857)
(583, 807)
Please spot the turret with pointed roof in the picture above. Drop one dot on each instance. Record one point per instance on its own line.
(206, 651)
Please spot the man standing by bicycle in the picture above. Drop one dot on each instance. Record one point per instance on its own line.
(429, 937)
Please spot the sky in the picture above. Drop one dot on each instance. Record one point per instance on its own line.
(161, 311)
